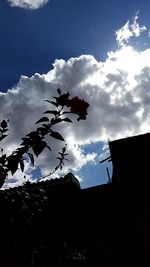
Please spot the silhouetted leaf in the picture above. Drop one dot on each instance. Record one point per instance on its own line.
(55, 97)
(55, 121)
(43, 130)
(2, 177)
(26, 142)
(4, 130)
(62, 99)
(66, 112)
(57, 135)
(54, 112)
(2, 159)
(62, 154)
(61, 167)
(48, 147)
(59, 158)
(31, 158)
(35, 137)
(13, 163)
(2, 137)
(59, 91)
(4, 124)
(67, 120)
(21, 164)
(32, 134)
(21, 151)
(52, 102)
(38, 147)
(43, 119)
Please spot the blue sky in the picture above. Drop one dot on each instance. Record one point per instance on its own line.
(32, 39)
(80, 34)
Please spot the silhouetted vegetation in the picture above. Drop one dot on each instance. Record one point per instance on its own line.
(35, 142)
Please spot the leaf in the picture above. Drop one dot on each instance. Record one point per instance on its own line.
(2, 137)
(66, 112)
(48, 147)
(2, 159)
(54, 112)
(4, 124)
(54, 121)
(67, 120)
(31, 158)
(26, 142)
(59, 91)
(57, 135)
(4, 130)
(62, 154)
(21, 151)
(52, 102)
(32, 135)
(21, 164)
(13, 163)
(43, 119)
(39, 147)
(62, 99)
(42, 130)
(59, 158)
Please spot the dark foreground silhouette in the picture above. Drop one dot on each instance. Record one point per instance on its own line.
(56, 223)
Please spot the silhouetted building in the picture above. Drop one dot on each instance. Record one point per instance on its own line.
(131, 186)
(131, 164)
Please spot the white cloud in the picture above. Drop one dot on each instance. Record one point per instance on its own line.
(129, 30)
(28, 4)
(118, 91)
(20, 178)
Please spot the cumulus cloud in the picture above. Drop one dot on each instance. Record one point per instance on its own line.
(24, 105)
(28, 4)
(118, 91)
(129, 30)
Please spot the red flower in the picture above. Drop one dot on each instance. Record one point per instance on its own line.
(78, 106)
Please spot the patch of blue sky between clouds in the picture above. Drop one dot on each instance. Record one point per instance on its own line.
(95, 172)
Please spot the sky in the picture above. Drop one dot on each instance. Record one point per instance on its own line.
(97, 50)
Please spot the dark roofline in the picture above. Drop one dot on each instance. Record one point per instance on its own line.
(68, 179)
(131, 138)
